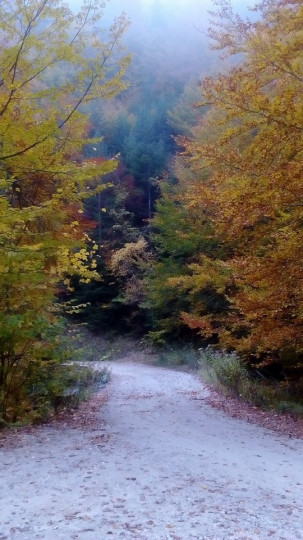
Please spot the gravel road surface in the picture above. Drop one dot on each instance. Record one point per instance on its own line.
(149, 459)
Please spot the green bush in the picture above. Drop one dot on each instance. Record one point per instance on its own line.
(226, 372)
(64, 387)
(223, 370)
(36, 389)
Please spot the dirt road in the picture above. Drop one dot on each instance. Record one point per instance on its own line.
(151, 462)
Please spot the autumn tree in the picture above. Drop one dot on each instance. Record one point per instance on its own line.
(246, 156)
(53, 63)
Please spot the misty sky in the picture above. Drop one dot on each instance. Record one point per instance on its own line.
(183, 20)
(197, 8)
(168, 38)
(179, 24)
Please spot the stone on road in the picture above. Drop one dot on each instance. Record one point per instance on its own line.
(156, 463)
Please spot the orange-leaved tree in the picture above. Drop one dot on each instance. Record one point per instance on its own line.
(246, 156)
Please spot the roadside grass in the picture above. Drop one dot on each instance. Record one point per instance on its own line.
(178, 356)
(225, 372)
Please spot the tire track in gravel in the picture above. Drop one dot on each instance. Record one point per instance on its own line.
(152, 461)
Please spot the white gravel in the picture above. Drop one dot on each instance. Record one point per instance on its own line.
(157, 464)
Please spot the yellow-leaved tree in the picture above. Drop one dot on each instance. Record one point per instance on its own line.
(247, 169)
(52, 63)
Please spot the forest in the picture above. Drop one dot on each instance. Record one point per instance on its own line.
(151, 185)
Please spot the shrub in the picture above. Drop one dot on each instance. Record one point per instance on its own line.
(226, 372)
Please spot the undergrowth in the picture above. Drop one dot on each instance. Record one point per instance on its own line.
(178, 356)
(228, 374)
(53, 385)
(101, 348)
(65, 388)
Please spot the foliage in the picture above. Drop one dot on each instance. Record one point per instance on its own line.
(178, 237)
(130, 264)
(223, 370)
(44, 177)
(226, 372)
(137, 126)
(245, 164)
(99, 300)
(64, 386)
(184, 115)
(137, 129)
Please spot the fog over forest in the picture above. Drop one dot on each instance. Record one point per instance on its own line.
(169, 34)
(170, 49)
(170, 54)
